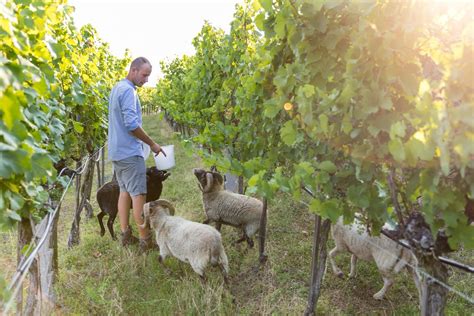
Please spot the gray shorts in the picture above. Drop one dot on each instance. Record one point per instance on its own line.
(131, 175)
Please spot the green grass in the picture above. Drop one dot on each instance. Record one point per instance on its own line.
(100, 277)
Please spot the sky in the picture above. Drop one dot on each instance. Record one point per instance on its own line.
(158, 30)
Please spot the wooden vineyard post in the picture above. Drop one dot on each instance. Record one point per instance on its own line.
(318, 264)
(81, 196)
(25, 235)
(433, 294)
(48, 265)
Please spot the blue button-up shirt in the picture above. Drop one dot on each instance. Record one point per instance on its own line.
(124, 116)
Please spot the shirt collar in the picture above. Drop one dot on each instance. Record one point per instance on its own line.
(130, 83)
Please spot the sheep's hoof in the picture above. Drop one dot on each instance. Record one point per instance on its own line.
(167, 271)
(263, 258)
(226, 280)
(378, 296)
(238, 241)
(340, 274)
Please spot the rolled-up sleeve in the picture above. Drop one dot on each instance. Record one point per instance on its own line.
(128, 108)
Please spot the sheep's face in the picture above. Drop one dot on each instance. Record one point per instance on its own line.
(155, 210)
(417, 229)
(153, 174)
(209, 181)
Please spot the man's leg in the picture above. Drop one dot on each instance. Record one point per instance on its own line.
(124, 210)
(132, 179)
(146, 240)
(124, 214)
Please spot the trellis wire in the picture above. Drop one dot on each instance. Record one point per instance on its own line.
(25, 265)
(75, 172)
(23, 269)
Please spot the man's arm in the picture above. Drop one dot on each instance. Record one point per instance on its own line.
(143, 136)
(130, 118)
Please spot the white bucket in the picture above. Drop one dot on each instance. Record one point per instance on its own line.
(146, 151)
(165, 163)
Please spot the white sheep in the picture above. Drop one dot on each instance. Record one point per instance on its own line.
(389, 256)
(188, 241)
(225, 207)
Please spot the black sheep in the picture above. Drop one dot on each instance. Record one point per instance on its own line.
(108, 196)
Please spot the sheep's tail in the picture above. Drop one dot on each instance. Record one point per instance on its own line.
(216, 251)
(214, 256)
(218, 256)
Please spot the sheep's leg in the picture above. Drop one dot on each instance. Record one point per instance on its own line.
(203, 278)
(249, 241)
(250, 230)
(244, 237)
(238, 241)
(353, 266)
(218, 226)
(100, 216)
(198, 268)
(335, 268)
(110, 226)
(387, 283)
(161, 260)
(164, 252)
(224, 273)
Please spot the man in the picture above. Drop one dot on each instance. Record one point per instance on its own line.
(125, 150)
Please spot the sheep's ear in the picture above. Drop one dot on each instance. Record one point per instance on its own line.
(219, 177)
(198, 172)
(209, 182)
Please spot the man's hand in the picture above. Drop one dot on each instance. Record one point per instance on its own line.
(157, 149)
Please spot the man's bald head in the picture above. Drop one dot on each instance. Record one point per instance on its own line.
(140, 70)
(138, 62)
